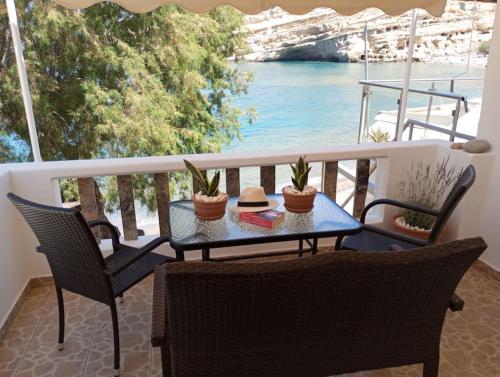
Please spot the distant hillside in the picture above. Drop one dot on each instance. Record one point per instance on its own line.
(324, 34)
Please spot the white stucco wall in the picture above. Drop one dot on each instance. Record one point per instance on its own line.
(14, 268)
(488, 219)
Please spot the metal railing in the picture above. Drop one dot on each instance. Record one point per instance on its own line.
(411, 123)
(459, 99)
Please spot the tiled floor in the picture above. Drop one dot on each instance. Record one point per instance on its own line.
(470, 345)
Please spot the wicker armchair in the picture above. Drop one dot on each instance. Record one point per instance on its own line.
(77, 263)
(373, 238)
(326, 315)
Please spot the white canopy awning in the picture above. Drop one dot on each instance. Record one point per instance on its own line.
(345, 7)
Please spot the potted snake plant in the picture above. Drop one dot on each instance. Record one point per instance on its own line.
(209, 202)
(299, 196)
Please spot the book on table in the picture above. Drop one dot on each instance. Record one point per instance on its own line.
(266, 219)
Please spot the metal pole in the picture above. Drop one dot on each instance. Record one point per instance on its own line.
(366, 50)
(398, 117)
(23, 78)
(429, 106)
(406, 84)
(429, 109)
(456, 116)
(362, 114)
(367, 116)
(472, 27)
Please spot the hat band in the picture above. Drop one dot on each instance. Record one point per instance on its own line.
(253, 204)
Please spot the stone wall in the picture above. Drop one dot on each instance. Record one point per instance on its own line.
(324, 34)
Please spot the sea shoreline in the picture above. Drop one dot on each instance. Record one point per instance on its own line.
(477, 61)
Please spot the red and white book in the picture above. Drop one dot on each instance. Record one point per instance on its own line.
(266, 219)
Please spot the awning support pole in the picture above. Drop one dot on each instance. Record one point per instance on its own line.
(406, 84)
(23, 78)
(366, 50)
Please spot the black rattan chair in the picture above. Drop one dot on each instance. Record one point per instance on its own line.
(77, 263)
(330, 314)
(374, 238)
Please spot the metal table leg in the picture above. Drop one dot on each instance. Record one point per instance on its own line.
(314, 247)
(179, 255)
(205, 254)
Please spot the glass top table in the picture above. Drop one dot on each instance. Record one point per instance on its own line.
(327, 219)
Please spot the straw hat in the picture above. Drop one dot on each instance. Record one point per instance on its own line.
(253, 199)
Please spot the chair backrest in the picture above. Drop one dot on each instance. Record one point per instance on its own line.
(463, 184)
(66, 240)
(325, 315)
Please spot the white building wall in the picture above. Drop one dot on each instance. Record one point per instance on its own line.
(488, 218)
(14, 267)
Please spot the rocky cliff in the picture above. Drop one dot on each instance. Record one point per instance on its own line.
(324, 34)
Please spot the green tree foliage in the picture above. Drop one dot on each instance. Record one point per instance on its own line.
(107, 83)
(484, 48)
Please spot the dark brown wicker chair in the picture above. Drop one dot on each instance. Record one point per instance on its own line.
(330, 314)
(373, 238)
(77, 263)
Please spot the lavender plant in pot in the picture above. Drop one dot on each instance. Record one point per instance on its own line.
(425, 187)
(209, 202)
(299, 197)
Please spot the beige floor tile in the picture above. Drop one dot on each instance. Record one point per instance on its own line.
(83, 316)
(470, 345)
(28, 318)
(19, 335)
(11, 356)
(39, 292)
(35, 304)
(71, 300)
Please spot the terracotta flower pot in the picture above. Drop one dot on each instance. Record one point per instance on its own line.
(422, 234)
(210, 210)
(299, 203)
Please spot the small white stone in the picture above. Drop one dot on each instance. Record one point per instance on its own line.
(476, 146)
(308, 190)
(401, 221)
(209, 199)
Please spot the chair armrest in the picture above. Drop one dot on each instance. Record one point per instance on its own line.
(414, 241)
(121, 259)
(395, 247)
(159, 309)
(456, 303)
(115, 238)
(155, 243)
(399, 204)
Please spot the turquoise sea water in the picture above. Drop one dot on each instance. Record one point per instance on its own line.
(318, 103)
(313, 104)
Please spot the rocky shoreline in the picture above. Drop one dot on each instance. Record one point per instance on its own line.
(324, 35)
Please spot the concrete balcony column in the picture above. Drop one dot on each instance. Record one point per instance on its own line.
(488, 218)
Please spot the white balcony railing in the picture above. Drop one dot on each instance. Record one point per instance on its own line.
(40, 182)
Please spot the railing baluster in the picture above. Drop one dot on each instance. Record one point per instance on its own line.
(233, 181)
(127, 208)
(196, 185)
(268, 179)
(330, 179)
(162, 201)
(88, 203)
(361, 186)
